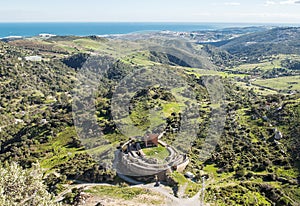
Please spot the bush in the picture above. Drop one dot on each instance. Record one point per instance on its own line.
(23, 187)
(240, 173)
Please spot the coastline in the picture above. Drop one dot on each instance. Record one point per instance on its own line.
(28, 29)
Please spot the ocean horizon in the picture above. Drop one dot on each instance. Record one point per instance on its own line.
(108, 28)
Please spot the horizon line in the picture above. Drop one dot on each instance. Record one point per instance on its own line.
(171, 22)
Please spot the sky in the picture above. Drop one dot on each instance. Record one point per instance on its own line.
(255, 11)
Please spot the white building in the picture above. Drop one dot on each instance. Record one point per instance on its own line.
(33, 58)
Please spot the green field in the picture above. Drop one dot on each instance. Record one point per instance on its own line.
(57, 149)
(281, 83)
(257, 89)
(160, 152)
(204, 72)
(268, 64)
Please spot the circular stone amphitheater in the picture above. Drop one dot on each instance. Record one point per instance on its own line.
(148, 156)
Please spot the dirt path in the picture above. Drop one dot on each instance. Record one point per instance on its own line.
(165, 191)
(171, 200)
(181, 190)
(60, 197)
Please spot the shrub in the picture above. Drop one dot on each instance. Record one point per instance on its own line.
(23, 187)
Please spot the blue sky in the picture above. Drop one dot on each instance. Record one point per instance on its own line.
(260, 11)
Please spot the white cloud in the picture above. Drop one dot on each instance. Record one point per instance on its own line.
(289, 2)
(269, 3)
(286, 2)
(203, 14)
(232, 3)
(271, 15)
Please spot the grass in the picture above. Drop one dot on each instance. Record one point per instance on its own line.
(158, 152)
(178, 93)
(216, 179)
(256, 89)
(287, 172)
(145, 119)
(211, 169)
(243, 119)
(140, 115)
(116, 48)
(89, 44)
(58, 150)
(191, 187)
(138, 58)
(124, 193)
(249, 198)
(268, 64)
(281, 83)
(170, 107)
(101, 149)
(224, 182)
(203, 72)
(262, 66)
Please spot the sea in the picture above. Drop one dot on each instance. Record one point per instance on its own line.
(105, 28)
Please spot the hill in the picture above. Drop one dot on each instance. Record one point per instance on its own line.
(270, 42)
(255, 161)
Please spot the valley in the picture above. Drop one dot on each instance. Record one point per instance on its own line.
(227, 100)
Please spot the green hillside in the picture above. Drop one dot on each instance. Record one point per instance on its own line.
(255, 162)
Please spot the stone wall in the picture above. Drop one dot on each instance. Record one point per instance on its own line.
(138, 166)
